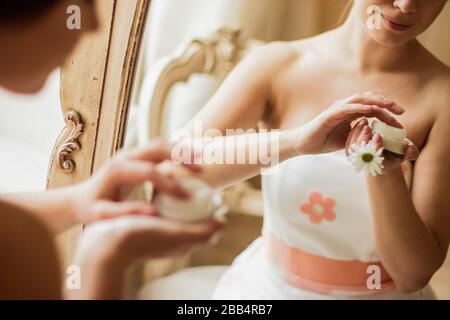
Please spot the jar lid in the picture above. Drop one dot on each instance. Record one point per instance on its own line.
(394, 139)
(389, 132)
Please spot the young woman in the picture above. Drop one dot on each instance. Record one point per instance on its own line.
(331, 233)
(34, 41)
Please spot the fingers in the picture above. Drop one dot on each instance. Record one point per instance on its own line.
(178, 237)
(365, 136)
(411, 152)
(168, 184)
(359, 127)
(369, 98)
(129, 169)
(135, 172)
(369, 105)
(362, 133)
(350, 112)
(386, 117)
(378, 141)
(159, 151)
(199, 232)
(174, 233)
(354, 134)
(141, 237)
(107, 210)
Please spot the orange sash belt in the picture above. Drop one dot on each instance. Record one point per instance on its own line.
(324, 275)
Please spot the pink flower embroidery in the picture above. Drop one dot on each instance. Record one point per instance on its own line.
(319, 208)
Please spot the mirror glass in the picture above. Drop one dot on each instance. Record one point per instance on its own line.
(175, 80)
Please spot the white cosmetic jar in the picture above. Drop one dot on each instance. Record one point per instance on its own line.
(204, 202)
(394, 139)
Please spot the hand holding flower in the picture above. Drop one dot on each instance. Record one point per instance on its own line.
(365, 151)
(329, 131)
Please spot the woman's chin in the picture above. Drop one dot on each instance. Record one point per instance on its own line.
(388, 39)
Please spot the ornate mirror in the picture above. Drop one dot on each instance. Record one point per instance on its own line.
(120, 90)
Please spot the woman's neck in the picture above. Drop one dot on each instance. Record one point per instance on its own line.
(368, 55)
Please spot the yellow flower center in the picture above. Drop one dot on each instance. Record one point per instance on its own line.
(367, 157)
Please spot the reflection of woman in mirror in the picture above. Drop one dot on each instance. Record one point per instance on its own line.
(34, 41)
(329, 232)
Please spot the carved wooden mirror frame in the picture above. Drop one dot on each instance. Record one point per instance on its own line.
(96, 88)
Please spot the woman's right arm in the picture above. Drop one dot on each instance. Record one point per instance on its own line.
(247, 95)
(240, 103)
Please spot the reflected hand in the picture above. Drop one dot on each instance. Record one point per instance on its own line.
(126, 239)
(107, 249)
(103, 196)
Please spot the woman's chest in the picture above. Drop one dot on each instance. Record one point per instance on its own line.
(302, 99)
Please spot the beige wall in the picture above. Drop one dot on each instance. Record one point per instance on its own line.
(305, 18)
(437, 38)
(267, 20)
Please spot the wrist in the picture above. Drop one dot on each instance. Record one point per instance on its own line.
(80, 201)
(291, 143)
(387, 176)
(102, 275)
(104, 247)
(74, 198)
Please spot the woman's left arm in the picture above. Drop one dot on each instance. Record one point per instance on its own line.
(412, 227)
(101, 197)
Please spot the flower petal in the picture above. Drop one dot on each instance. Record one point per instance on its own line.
(329, 203)
(329, 215)
(365, 150)
(378, 170)
(380, 151)
(315, 219)
(358, 166)
(306, 208)
(315, 197)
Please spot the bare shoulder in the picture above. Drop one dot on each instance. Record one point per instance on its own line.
(28, 255)
(439, 86)
(437, 89)
(272, 61)
(272, 58)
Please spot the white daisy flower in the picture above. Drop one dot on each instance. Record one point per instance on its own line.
(365, 158)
